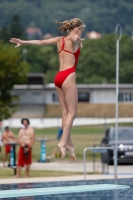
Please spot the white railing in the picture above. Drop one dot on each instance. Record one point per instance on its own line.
(95, 149)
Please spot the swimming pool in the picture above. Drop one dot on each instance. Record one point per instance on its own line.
(99, 195)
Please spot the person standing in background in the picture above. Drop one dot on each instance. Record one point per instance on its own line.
(26, 140)
(7, 137)
(0, 141)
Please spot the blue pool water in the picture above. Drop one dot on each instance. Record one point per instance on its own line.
(99, 195)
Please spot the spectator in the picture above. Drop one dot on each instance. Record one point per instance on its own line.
(26, 140)
(7, 137)
(0, 141)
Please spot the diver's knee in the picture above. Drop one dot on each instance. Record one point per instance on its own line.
(73, 114)
(64, 112)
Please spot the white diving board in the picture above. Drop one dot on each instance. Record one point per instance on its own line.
(59, 190)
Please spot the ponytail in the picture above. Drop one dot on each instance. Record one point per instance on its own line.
(70, 25)
(64, 26)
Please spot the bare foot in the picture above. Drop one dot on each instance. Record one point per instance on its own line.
(71, 152)
(26, 176)
(16, 176)
(62, 150)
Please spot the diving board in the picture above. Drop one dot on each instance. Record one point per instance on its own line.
(59, 190)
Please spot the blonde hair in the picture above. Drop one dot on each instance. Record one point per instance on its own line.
(70, 25)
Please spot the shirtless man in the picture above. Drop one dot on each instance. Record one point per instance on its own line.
(26, 139)
(7, 137)
(0, 141)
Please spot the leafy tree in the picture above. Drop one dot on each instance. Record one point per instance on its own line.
(12, 71)
(15, 29)
(97, 63)
(43, 59)
(4, 34)
(101, 16)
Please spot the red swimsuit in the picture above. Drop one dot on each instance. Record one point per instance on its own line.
(62, 75)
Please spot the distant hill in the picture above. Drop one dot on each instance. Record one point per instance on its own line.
(98, 15)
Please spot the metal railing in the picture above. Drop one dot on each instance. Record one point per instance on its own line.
(94, 149)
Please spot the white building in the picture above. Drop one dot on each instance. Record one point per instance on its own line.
(91, 93)
(35, 95)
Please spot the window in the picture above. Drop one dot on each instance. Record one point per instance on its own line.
(20, 93)
(131, 96)
(55, 97)
(83, 97)
(125, 97)
(36, 93)
(120, 97)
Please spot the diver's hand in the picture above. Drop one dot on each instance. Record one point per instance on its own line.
(77, 39)
(18, 42)
(80, 41)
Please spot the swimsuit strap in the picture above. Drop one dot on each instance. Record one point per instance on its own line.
(76, 54)
(62, 49)
(63, 43)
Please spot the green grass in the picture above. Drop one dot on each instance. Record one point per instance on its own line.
(82, 136)
(9, 173)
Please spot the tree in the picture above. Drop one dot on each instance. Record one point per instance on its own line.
(4, 34)
(15, 29)
(12, 71)
(43, 59)
(97, 63)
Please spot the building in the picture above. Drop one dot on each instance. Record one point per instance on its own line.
(93, 35)
(35, 95)
(33, 33)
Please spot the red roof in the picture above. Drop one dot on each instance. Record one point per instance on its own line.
(34, 31)
(93, 35)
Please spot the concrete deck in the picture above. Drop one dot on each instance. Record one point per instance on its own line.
(61, 178)
(71, 167)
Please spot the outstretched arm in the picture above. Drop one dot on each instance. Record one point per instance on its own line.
(19, 42)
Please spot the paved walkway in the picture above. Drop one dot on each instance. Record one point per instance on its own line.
(72, 167)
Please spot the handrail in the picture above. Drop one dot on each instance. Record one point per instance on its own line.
(92, 148)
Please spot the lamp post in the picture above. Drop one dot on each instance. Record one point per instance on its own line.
(24, 51)
(118, 34)
(132, 35)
